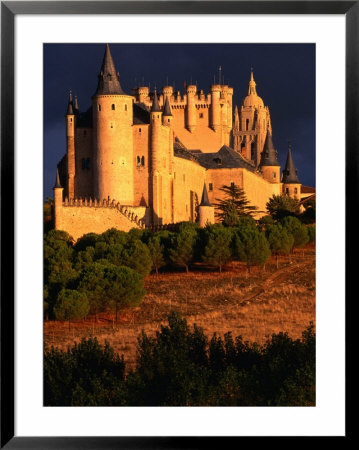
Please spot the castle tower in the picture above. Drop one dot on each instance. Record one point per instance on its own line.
(143, 94)
(113, 136)
(70, 147)
(250, 132)
(58, 199)
(191, 112)
(269, 165)
(206, 210)
(156, 162)
(215, 110)
(291, 184)
(167, 118)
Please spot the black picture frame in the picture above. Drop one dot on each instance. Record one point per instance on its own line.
(9, 9)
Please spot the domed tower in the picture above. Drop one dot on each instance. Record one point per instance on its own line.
(291, 184)
(206, 210)
(70, 147)
(269, 165)
(113, 137)
(253, 122)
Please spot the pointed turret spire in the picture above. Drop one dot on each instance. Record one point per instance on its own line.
(252, 85)
(108, 79)
(155, 106)
(269, 154)
(205, 200)
(57, 184)
(76, 105)
(167, 108)
(290, 172)
(236, 118)
(70, 109)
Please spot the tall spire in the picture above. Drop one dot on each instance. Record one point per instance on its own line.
(236, 118)
(205, 200)
(70, 109)
(167, 108)
(155, 106)
(76, 105)
(290, 172)
(252, 85)
(57, 184)
(269, 155)
(108, 79)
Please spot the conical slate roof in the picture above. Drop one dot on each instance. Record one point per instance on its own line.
(269, 154)
(155, 106)
(57, 184)
(167, 108)
(70, 109)
(205, 200)
(290, 172)
(108, 79)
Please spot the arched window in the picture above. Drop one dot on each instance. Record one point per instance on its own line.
(247, 124)
(142, 161)
(99, 107)
(113, 107)
(139, 130)
(138, 160)
(252, 150)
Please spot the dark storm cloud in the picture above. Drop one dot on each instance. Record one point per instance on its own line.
(284, 73)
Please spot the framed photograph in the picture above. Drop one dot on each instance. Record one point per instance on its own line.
(306, 57)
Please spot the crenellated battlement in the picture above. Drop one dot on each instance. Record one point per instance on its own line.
(95, 203)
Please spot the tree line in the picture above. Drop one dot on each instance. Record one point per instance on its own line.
(181, 366)
(101, 272)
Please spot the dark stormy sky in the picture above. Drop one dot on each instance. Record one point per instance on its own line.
(284, 73)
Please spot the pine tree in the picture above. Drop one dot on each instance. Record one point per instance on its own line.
(234, 205)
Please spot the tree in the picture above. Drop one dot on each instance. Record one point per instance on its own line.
(251, 246)
(280, 206)
(156, 251)
(136, 255)
(297, 230)
(234, 205)
(71, 305)
(280, 241)
(311, 232)
(183, 244)
(123, 287)
(217, 251)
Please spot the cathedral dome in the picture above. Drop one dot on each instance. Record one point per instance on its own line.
(253, 98)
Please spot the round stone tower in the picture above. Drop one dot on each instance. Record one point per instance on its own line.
(291, 184)
(113, 136)
(206, 210)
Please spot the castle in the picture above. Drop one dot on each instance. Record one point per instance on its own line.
(148, 159)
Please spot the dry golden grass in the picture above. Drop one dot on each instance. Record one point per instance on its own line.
(254, 306)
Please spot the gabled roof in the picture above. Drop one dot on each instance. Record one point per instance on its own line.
(225, 158)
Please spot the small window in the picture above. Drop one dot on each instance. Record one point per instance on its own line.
(184, 177)
(210, 187)
(168, 120)
(113, 107)
(274, 175)
(125, 107)
(88, 166)
(139, 130)
(142, 161)
(83, 163)
(85, 132)
(99, 107)
(111, 125)
(295, 190)
(71, 120)
(232, 184)
(201, 115)
(287, 190)
(247, 124)
(138, 160)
